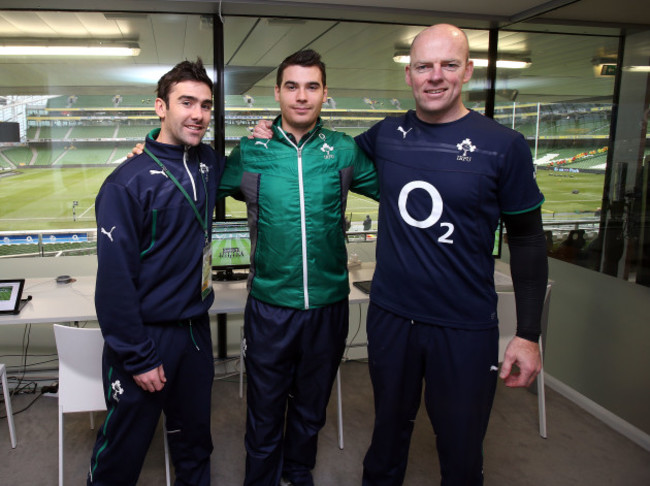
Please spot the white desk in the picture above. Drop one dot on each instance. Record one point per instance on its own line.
(74, 302)
(502, 284)
(230, 298)
(364, 271)
(54, 302)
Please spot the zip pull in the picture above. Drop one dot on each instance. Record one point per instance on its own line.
(192, 336)
(189, 173)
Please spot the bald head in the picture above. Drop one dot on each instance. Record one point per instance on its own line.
(443, 31)
(438, 69)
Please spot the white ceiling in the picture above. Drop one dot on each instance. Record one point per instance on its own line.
(504, 11)
(358, 55)
(478, 13)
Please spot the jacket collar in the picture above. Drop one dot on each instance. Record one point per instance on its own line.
(165, 150)
(277, 124)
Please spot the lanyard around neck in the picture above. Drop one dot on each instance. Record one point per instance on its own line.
(202, 222)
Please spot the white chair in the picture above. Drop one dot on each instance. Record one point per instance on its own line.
(10, 413)
(339, 408)
(508, 328)
(80, 379)
(339, 399)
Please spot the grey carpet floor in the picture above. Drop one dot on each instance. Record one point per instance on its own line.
(579, 450)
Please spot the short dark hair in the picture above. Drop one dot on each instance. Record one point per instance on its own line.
(183, 71)
(305, 58)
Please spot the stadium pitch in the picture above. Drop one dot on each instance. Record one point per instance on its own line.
(42, 199)
(570, 192)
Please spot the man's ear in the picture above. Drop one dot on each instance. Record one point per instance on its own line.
(469, 70)
(407, 74)
(160, 107)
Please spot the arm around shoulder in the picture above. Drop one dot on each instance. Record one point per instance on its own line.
(366, 179)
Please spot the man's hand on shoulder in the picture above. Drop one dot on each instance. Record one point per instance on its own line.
(262, 130)
(137, 150)
(525, 355)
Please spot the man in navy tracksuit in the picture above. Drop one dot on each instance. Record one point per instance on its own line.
(447, 174)
(153, 290)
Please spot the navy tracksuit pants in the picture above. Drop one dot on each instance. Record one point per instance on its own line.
(459, 368)
(292, 357)
(133, 414)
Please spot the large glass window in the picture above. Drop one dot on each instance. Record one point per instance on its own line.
(365, 79)
(624, 237)
(365, 84)
(68, 119)
(588, 142)
(561, 98)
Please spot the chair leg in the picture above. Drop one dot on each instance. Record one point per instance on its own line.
(10, 413)
(166, 444)
(541, 398)
(60, 447)
(339, 407)
(241, 362)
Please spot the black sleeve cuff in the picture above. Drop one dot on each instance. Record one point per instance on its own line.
(529, 270)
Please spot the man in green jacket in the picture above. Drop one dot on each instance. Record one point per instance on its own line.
(296, 320)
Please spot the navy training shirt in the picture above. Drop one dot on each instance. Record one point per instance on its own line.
(443, 188)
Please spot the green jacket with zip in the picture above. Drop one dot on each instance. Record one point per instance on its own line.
(296, 195)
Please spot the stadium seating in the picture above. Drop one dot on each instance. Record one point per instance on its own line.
(92, 132)
(565, 129)
(235, 132)
(138, 132)
(18, 155)
(48, 156)
(87, 155)
(52, 133)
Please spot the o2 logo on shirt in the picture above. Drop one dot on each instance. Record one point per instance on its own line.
(436, 209)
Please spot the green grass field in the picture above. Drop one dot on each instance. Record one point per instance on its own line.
(559, 187)
(41, 199)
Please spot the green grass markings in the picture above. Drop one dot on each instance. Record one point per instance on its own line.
(41, 199)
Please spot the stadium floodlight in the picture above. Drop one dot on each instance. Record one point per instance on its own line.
(402, 56)
(637, 69)
(503, 63)
(509, 62)
(80, 48)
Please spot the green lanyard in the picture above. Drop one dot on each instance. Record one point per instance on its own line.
(203, 223)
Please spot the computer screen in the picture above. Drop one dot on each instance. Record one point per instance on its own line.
(231, 249)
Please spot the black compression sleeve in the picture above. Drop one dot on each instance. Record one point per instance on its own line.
(529, 270)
